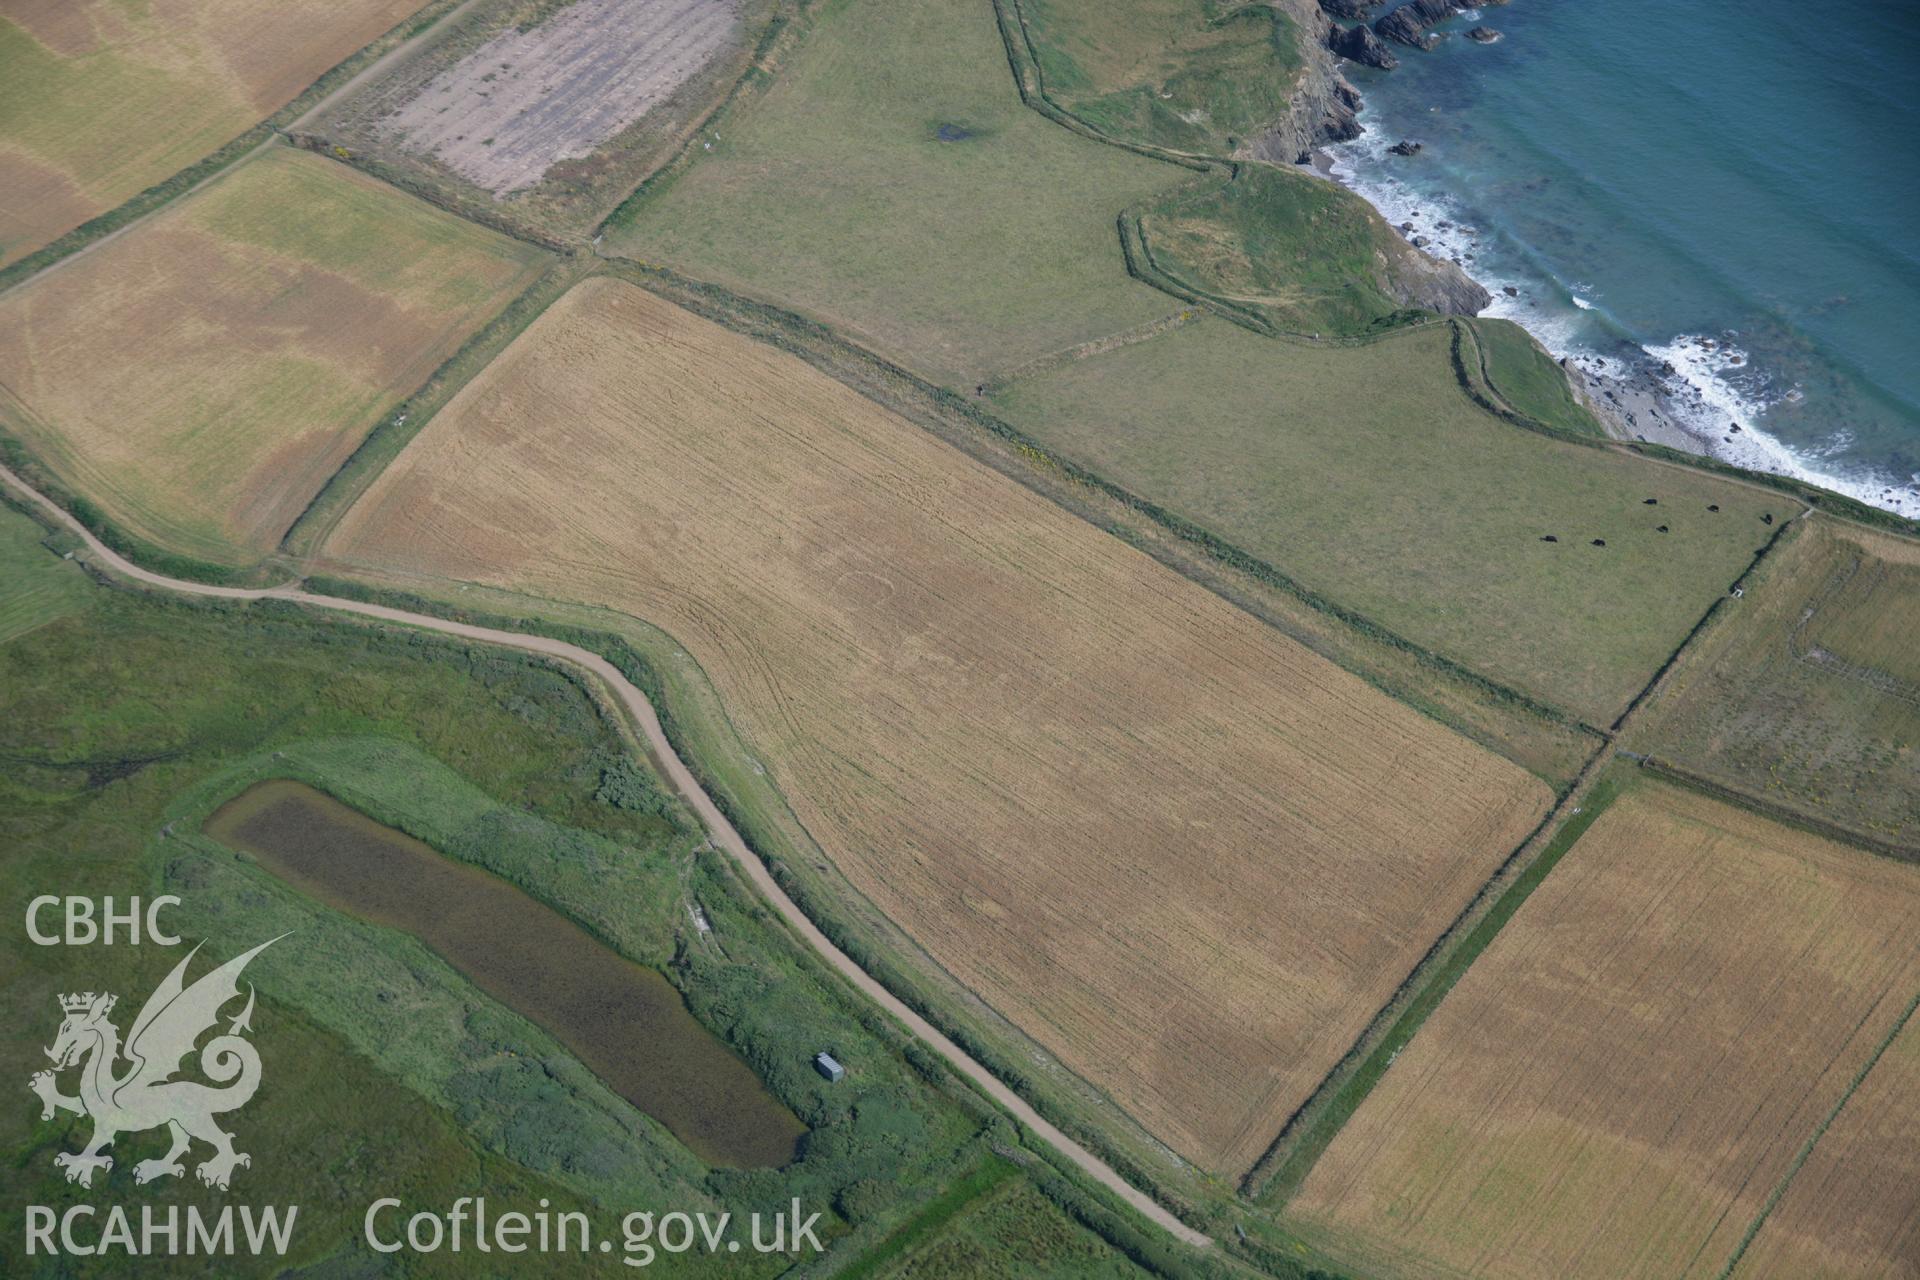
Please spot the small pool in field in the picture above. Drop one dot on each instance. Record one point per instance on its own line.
(625, 1021)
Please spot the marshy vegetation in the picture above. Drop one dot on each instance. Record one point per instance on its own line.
(623, 1020)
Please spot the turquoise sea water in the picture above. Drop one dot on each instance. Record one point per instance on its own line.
(1649, 174)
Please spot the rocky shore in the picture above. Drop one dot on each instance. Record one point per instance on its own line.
(1636, 399)
(1698, 393)
(1410, 23)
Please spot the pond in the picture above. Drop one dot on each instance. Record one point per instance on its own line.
(625, 1021)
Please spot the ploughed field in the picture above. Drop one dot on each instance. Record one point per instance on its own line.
(1624, 1079)
(102, 100)
(1806, 692)
(200, 377)
(1182, 852)
(625, 1022)
(532, 96)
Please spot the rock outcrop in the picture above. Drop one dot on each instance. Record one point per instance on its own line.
(1351, 10)
(1406, 147)
(1416, 279)
(1484, 35)
(1408, 24)
(1359, 44)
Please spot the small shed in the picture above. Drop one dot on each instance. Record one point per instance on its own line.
(827, 1066)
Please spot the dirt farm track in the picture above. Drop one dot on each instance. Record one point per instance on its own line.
(718, 827)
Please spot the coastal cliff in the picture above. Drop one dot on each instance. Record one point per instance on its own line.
(1324, 105)
(1325, 110)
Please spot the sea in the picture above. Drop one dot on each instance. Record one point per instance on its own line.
(1722, 193)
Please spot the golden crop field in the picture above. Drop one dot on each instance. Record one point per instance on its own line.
(1621, 1081)
(103, 99)
(1853, 1209)
(1185, 854)
(1806, 692)
(201, 377)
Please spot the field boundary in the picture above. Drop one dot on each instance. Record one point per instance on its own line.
(1820, 1131)
(1776, 812)
(786, 28)
(383, 443)
(1837, 505)
(1493, 388)
(466, 211)
(18, 458)
(1706, 619)
(1071, 1192)
(318, 132)
(184, 182)
(1136, 246)
(1031, 83)
(1021, 59)
(1491, 401)
(1088, 349)
(988, 1179)
(1317, 1121)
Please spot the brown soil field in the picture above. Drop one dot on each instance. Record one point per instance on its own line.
(546, 114)
(1853, 1209)
(102, 99)
(530, 97)
(1185, 854)
(202, 376)
(1805, 693)
(1622, 1080)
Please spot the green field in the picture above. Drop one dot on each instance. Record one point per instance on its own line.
(1805, 694)
(1203, 76)
(1367, 474)
(1299, 253)
(1527, 379)
(834, 193)
(35, 588)
(121, 726)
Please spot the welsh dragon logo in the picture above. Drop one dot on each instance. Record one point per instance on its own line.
(144, 1095)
